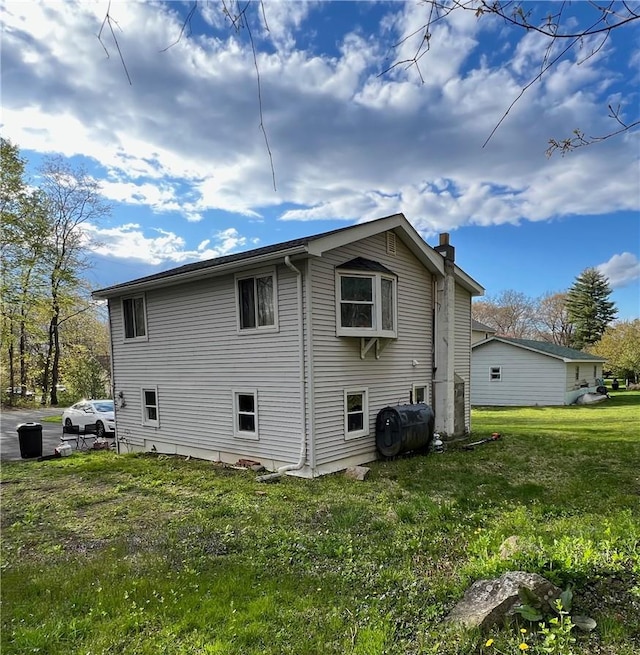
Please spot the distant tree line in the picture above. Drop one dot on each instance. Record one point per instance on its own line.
(54, 338)
(583, 317)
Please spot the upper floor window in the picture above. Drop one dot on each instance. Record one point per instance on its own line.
(366, 300)
(135, 320)
(495, 373)
(257, 306)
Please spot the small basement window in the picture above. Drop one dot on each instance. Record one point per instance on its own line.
(150, 414)
(245, 411)
(420, 393)
(495, 374)
(356, 413)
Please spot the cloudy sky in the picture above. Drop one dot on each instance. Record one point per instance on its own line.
(174, 135)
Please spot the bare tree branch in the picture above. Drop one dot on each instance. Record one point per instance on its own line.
(108, 20)
(185, 24)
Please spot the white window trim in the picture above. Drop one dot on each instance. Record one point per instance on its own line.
(147, 421)
(144, 337)
(420, 385)
(373, 331)
(253, 275)
(365, 411)
(498, 370)
(237, 432)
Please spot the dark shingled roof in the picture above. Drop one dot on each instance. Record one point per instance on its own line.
(549, 349)
(219, 261)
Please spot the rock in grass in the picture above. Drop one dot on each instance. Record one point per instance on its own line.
(488, 602)
(357, 472)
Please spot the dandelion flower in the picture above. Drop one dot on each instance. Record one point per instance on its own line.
(523, 631)
(523, 646)
(489, 643)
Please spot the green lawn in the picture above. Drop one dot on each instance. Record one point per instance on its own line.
(152, 555)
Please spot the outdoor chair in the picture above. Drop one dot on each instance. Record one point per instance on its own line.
(78, 435)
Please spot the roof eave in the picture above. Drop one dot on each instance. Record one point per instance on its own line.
(127, 288)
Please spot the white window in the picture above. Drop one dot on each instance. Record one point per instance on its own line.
(420, 393)
(577, 372)
(257, 301)
(135, 318)
(356, 413)
(366, 304)
(150, 415)
(245, 412)
(495, 374)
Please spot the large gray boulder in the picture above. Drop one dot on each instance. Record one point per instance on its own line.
(489, 602)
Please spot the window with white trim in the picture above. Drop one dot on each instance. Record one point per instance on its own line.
(245, 412)
(150, 415)
(366, 304)
(420, 393)
(135, 317)
(356, 413)
(257, 301)
(577, 372)
(495, 373)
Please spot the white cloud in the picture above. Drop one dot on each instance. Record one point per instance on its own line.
(346, 143)
(621, 270)
(131, 243)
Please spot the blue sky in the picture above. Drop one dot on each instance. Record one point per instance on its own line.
(181, 157)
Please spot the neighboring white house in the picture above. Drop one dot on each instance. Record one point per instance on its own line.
(521, 372)
(285, 354)
(480, 331)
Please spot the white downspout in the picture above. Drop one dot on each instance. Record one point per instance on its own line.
(303, 401)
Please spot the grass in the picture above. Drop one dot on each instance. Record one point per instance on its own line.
(152, 555)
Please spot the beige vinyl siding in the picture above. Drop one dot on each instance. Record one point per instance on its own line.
(528, 378)
(195, 356)
(462, 352)
(336, 360)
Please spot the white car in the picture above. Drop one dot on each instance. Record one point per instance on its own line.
(87, 412)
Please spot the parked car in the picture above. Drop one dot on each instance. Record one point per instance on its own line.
(17, 391)
(86, 412)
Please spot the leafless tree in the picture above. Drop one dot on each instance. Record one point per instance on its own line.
(566, 26)
(511, 314)
(552, 319)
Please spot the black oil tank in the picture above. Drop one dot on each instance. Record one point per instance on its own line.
(403, 428)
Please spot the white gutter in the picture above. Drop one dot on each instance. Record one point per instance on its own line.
(303, 402)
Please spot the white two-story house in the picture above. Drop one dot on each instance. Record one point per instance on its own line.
(285, 354)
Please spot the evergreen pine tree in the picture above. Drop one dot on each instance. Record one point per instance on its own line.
(589, 307)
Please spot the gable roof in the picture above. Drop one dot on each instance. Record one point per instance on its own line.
(481, 327)
(315, 245)
(544, 348)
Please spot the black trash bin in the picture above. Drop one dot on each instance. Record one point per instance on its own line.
(30, 436)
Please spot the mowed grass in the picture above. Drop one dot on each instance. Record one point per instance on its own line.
(150, 555)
